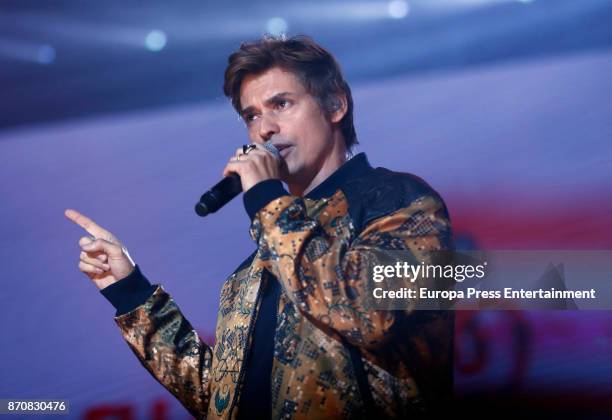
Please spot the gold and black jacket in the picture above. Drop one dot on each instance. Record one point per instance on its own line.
(334, 356)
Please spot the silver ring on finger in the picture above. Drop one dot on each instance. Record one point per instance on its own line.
(246, 148)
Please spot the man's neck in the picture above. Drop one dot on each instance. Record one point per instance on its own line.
(336, 158)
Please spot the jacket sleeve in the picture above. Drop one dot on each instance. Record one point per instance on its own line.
(326, 277)
(164, 341)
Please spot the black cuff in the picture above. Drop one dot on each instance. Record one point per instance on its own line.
(130, 292)
(261, 194)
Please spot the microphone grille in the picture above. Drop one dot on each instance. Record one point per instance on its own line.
(272, 149)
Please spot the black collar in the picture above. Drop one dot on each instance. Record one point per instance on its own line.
(350, 169)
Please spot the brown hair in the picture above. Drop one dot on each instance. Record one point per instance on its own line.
(316, 68)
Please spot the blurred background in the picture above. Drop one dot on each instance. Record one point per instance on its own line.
(116, 109)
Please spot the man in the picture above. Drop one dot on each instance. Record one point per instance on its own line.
(294, 337)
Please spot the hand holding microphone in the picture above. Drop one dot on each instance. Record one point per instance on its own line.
(254, 163)
(250, 165)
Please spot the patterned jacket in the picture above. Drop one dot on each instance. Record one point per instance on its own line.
(334, 357)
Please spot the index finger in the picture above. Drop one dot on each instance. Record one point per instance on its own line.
(86, 223)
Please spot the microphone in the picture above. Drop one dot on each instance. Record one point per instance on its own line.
(219, 195)
(225, 190)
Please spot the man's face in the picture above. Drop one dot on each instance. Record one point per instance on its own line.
(276, 107)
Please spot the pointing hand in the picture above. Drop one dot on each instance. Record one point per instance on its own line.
(103, 258)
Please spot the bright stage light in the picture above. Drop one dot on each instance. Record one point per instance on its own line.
(277, 26)
(155, 40)
(398, 9)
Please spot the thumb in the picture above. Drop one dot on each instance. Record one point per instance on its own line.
(109, 248)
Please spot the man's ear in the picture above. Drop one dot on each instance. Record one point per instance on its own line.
(338, 108)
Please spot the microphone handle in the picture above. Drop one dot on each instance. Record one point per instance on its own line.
(219, 195)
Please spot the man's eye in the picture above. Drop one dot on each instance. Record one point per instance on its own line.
(283, 103)
(249, 118)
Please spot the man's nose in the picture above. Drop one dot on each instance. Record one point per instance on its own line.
(267, 128)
